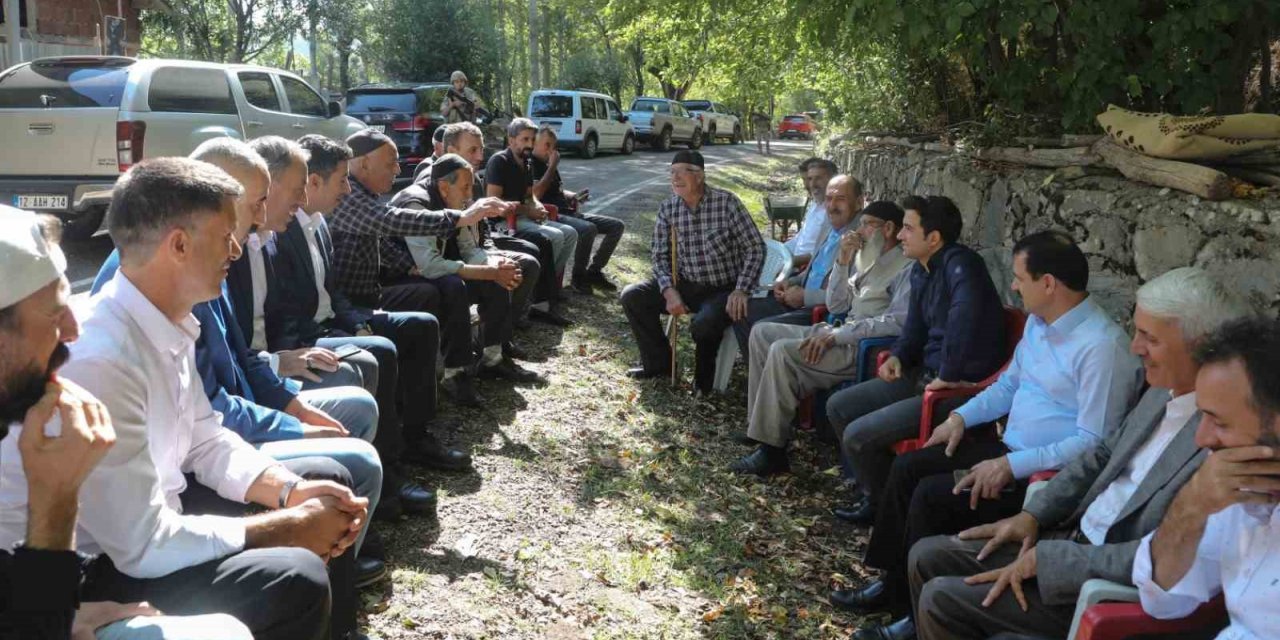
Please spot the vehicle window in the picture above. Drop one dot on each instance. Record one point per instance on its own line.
(186, 90)
(679, 110)
(549, 106)
(794, 119)
(614, 111)
(429, 99)
(652, 106)
(697, 105)
(383, 101)
(259, 90)
(303, 100)
(56, 85)
(589, 108)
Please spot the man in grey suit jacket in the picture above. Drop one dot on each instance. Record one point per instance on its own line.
(1089, 520)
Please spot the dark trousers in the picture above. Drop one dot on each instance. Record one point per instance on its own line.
(608, 229)
(495, 307)
(644, 305)
(874, 415)
(454, 311)
(280, 592)
(405, 293)
(406, 381)
(547, 288)
(767, 308)
(918, 502)
(530, 272)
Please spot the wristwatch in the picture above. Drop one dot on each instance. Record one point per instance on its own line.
(286, 491)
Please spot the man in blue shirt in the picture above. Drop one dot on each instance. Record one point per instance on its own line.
(1071, 382)
(954, 336)
(792, 301)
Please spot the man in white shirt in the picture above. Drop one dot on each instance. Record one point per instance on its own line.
(1023, 574)
(40, 579)
(173, 220)
(1221, 534)
(816, 173)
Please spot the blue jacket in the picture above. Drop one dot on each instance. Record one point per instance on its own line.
(291, 319)
(955, 324)
(239, 384)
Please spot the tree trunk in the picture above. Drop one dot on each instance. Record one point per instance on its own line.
(534, 80)
(637, 65)
(313, 19)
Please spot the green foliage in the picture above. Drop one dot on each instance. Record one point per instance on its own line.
(592, 69)
(425, 40)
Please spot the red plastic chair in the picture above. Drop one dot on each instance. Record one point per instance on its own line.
(1015, 320)
(1119, 620)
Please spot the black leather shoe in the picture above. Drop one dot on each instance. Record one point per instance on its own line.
(507, 369)
(871, 597)
(764, 461)
(597, 279)
(433, 454)
(549, 317)
(416, 499)
(369, 571)
(463, 392)
(514, 351)
(581, 286)
(900, 629)
(862, 513)
(641, 373)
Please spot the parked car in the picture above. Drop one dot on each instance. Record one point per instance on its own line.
(659, 122)
(408, 112)
(718, 121)
(586, 121)
(73, 124)
(796, 125)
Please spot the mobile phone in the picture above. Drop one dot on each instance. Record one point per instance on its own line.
(959, 475)
(345, 351)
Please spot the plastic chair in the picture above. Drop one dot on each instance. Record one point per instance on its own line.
(777, 264)
(866, 355)
(1015, 320)
(1107, 610)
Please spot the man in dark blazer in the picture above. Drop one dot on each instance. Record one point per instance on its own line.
(406, 389)
(1089, 520)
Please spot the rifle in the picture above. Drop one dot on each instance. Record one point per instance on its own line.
(471, 110)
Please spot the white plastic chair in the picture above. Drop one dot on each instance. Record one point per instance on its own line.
(777, 264)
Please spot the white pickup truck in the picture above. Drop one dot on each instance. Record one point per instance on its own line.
(659, 122)
(71, 125)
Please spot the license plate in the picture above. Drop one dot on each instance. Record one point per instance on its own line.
(40, 202)
(380, 128)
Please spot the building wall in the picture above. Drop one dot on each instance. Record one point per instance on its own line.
(70, 27)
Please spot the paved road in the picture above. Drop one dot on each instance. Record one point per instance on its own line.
(621, 186)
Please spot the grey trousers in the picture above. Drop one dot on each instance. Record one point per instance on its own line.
(948, 609)
(874, 415)
(778, 377)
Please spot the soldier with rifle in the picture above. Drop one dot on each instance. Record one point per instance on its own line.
(461, 103)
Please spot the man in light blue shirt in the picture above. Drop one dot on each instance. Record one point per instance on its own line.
(816, 173)
(1071, 380)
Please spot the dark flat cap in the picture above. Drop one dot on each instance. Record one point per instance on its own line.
(366, 141)
(884, 210)
(447, 164)
(687, 156)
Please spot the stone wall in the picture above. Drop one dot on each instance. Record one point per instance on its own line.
(1131, 232)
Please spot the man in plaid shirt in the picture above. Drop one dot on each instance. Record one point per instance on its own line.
(360, 220)
(719, 254)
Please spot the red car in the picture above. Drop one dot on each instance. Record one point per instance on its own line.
(798, 125)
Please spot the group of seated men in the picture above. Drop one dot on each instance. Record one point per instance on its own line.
(258, 359)
(1166, 444)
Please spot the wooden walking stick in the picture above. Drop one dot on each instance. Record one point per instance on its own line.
(673, 324)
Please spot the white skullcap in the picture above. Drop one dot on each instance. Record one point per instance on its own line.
(27, 261)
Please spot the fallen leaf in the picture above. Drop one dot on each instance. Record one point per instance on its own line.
(713, 615)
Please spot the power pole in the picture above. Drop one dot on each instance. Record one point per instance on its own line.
(13, 30)
(534, 82)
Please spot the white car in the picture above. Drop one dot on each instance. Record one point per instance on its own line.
(584, 120)
(73, 124)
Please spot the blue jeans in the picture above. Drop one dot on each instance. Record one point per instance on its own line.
(214, 626)
(564, 239)
(358, 412)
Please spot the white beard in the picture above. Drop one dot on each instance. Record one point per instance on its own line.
(870, 252)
